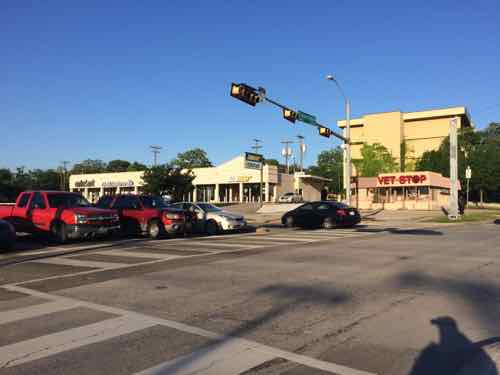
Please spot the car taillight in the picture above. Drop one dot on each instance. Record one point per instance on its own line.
(341, 213)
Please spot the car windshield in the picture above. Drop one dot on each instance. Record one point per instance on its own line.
(67, 200)
(153, 202)
(207, 207)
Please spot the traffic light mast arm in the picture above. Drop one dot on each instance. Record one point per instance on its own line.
(317, 126)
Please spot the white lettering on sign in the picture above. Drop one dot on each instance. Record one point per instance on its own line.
(85, 183)
(111, 184)
(402, 180)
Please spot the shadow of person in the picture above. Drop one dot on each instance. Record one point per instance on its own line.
(451, 353)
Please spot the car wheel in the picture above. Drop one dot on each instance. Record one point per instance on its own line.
(211, 228)
(328, 223)
(155, 229)
(289, 222)
(59, 232)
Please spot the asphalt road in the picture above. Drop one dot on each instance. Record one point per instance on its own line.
(348, 301)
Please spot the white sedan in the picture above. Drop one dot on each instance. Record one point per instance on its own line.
(209, 214)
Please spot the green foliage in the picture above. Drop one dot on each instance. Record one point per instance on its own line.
(136, 167)
(272, 162)
(329, 165)
(118, 166)
(11, 184)
(89, 166)
(375, 159)
(194, 158)
(167, 179)
(480, 150)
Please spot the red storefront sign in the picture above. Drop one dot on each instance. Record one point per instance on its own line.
(402, 179)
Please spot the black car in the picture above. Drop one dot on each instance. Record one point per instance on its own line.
(7, 236)
(325, 214)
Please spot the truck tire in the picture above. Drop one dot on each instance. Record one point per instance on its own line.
(59, 232)
(211, 228)
(155, 229)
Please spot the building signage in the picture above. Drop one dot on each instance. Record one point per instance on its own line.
(252, 165)
(250, 156)
(85, 183)
(402, 179)
(113, 184)
(240, 178)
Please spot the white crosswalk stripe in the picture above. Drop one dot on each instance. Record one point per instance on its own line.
(44, 346)
(227, 355)
(79, 263)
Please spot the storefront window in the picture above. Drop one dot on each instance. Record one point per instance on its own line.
(423, 190)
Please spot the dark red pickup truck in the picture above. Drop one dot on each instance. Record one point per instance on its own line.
(64, 215)
(145, 214)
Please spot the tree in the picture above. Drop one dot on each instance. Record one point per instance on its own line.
(89, 166)
(480, 150)
(375, 159)
(136, 167)
(329, 165)
(194, 158)
(168, 179)
(272, 162)
(118, 166)
(7, 192)
(49, 179)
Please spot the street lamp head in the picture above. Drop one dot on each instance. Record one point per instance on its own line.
(329, 77)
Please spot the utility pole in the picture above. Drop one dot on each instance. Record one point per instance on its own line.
(155, 150)
(287, 153)
(63, 174)
(302, 149)
(256, 147)
(453, 210)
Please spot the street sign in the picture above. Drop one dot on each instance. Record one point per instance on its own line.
(468, 173)
(307, 118)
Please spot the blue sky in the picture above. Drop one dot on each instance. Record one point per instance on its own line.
(105, 79)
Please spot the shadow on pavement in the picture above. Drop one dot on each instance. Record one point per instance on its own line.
(497, 221)
(289, 297)
(452, 352)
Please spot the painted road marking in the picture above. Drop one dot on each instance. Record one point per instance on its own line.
(78, 263)
(227, 357)
(44, 346)
(128, 322)
(140, 254)
(35, 310)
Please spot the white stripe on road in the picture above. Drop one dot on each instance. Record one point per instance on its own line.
(139, 254)
(78, 263)
(294, 239)
(228, 357)
(44, 346)
(148, 321)
(219, 244)
(36, 310)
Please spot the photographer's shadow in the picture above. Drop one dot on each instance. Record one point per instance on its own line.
(453, 351)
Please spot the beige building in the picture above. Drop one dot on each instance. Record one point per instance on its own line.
(237, 180)
(407, 135)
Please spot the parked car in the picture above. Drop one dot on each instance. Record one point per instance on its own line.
(324, 214)
(211, 219)
(290, 198)
(145, 214)
(62, 214)
(7, 236)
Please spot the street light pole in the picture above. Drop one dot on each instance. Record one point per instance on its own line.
(256, 149)
(347, 143)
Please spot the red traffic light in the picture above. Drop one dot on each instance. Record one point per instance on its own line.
(245, 93)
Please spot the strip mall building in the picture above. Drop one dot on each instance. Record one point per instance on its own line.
(237, 180)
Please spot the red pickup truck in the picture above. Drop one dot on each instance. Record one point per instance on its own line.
(62, 214)
(145, 214)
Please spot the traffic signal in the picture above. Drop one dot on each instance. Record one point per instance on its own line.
(325, 132)
(245, 93)
(289, 115)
